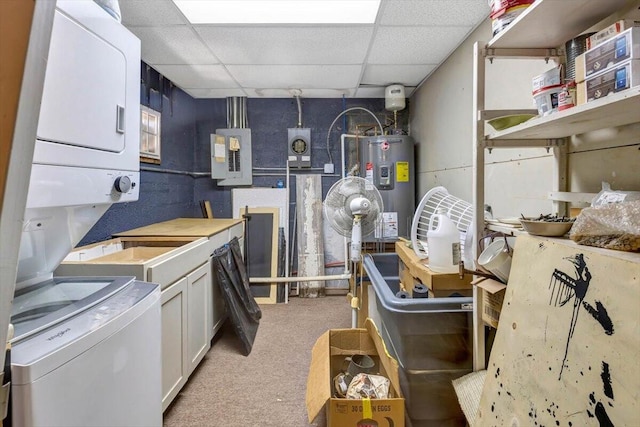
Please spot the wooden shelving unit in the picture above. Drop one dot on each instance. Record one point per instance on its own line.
(540, 31)
(617, 109)
(550, 23)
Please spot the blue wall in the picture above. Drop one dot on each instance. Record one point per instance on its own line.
(174, 188)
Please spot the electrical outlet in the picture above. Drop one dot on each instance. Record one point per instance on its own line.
(328, 168)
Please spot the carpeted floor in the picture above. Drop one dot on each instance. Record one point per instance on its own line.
(266, 388)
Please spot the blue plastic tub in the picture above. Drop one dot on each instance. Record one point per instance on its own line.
(422, 333)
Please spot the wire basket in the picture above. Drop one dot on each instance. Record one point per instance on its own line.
(458, 210)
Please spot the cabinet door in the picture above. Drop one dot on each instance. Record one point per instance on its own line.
(174, 337)
(85, 83)
(218, 310)
(198, 342)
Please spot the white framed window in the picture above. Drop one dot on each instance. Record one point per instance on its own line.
(149, 135)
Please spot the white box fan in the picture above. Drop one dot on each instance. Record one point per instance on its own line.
(459, 211)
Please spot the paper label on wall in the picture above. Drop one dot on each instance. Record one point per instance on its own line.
(234, 144)
(369, 172)
(402, 171)
(219, 149)
(389, 225)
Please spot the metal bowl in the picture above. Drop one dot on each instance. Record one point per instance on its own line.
(545, 228)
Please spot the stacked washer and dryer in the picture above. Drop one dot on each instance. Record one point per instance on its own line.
(86, 351)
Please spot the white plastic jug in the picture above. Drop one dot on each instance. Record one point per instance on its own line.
(443, 242)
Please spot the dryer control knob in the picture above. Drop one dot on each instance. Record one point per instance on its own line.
(122, 184)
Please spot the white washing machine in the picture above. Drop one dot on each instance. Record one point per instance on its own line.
(87, 352)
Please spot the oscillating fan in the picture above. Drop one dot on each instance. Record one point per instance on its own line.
(352, 207)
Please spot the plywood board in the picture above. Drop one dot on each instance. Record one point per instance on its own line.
(260, 198)
(205, 205)
(263, 250)
(310, 246)
(567, 346)
(192, 227)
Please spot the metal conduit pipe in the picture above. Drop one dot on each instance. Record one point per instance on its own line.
(286, 234)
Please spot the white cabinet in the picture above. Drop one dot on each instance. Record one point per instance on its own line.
(185, 336)
(217, 232)
(175, 360)
(563, 20)
(217, 309)
(199, 297)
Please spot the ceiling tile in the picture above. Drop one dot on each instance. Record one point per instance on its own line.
(296, 76)
(306, 93)
(369, 92)
(378, 92)
(197, 76)
(410, 39)
(215, 93)
(407, 75)
(415, 45)
(172, 45)
(434, 12)
(287, 45)
(150, 12)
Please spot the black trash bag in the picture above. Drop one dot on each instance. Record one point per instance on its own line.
(232, 278)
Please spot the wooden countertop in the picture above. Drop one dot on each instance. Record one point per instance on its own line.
(183, 227)
(435, 281)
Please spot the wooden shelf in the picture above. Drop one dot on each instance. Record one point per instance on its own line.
(617, 109)
(509, 231)
(550, 23)
(572, 197)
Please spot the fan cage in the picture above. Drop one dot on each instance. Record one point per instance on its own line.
(336, 205)
(458, 210)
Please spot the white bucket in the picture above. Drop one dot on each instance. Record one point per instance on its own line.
(496, 259)
(546, 99)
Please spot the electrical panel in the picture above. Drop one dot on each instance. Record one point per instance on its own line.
(231, 156)
(299, 150)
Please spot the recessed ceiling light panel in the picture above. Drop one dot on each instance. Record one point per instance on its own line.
(279, 11)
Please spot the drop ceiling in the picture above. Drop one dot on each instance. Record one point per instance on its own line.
(407, 42)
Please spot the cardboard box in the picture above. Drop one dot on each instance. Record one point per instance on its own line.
(620, 48)
(581, 93)
(418, 270)
(327, 357)
(579, 68)
(492, 298)
(610, 31)
(614, 79)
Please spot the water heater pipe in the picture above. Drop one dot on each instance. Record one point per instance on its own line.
(340, 115)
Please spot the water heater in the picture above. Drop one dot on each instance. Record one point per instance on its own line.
(387, 162)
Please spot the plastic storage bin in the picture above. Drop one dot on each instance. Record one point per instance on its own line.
(430, 399)
(421, 333)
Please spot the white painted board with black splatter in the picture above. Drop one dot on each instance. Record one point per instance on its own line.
(567, 349)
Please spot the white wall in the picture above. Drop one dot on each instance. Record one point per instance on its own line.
(517, 180)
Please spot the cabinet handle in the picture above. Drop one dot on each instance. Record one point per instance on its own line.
(119, 119)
